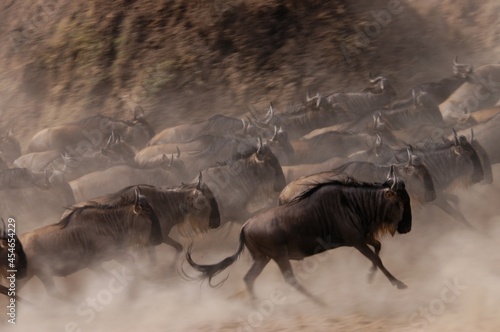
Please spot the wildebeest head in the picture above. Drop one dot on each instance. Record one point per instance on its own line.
(379, 85)
(264, 156)
(462, 147)
(417, 178)
(174, 163)
(201, 202)
(395, 192)
(462, 70)
(9, 240)
(139, 131)
(118, 150)
(281, 146)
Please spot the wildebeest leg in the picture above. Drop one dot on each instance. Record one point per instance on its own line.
(377, 246)
(444, 205)
(48, 283)
(286, 269)
(258, 265)
(177, 246)
(368, 253)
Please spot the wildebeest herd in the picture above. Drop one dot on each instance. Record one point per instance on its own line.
(332, 171)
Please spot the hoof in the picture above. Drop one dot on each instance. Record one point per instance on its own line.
(401, 285)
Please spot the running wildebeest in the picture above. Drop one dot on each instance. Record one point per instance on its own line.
(329, 215)
(452, 164)
(190, 207)
(216, 125)
(481, 90)
(440, 91)
(90, 134)
(248, 182)
(87, 236)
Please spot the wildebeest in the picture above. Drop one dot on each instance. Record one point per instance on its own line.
(248, 182)
(481, 90)
(168, 172)
(452, 164)
(377, 95)
(10, 147)
(217, 125)
(440, 91)
(488, 135)
(115, 152)
(416, 176)
(87, 236)
(34, 203)
(329, 215)
(90, 134)
(191, 207)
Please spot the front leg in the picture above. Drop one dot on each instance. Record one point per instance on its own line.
(377, 246)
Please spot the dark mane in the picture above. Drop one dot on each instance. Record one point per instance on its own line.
(122, 201)
(87, 120)
(348, 181)
(222, 123)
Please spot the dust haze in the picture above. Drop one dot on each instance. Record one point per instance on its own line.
(452, 273)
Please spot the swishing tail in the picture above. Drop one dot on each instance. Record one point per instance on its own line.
(210, 271)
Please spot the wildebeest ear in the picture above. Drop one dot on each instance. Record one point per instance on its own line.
(138, 113)
(198, 186)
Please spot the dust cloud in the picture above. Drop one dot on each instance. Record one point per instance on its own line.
(452, 274)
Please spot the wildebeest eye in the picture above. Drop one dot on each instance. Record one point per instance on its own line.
(459, 150)
(389, 194)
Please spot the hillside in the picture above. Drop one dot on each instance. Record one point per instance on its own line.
(183, 60)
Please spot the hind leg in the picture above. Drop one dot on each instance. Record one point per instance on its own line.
(286, 269)
(368, 253)
(377, 246)
(444, 205)
(258, 265)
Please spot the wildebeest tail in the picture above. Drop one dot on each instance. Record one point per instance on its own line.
(210, 271)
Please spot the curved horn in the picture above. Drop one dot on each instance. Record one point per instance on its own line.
(270, 113)
(376, 79)
(308, 99)
(274, 134)
(318, 101)
(198, 185)
(390, 175)
(137, 200)
(455, 136)
(178, 152)
(259, 144)
(414, 96)
(409, 156)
